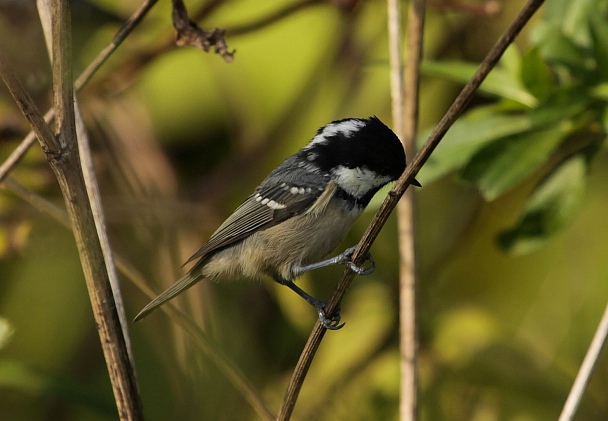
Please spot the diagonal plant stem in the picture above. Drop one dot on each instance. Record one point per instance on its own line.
(82, 80)
(395, 194)
(405, 95)
(584, 374)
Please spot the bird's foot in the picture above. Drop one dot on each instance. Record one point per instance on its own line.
(346, 259)
(330, 323)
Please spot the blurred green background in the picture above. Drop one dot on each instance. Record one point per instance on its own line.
(511, 230)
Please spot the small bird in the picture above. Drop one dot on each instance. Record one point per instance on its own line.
(301, 212)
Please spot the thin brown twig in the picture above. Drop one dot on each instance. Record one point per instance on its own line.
(272, 18)
(120, 36)
(37, 201)
(80, 82)
(393, 197)
(167, 41)
(206, 9)
(488, 8)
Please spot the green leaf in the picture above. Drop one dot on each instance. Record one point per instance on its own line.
(510, 63)
(557, 48)
(504, 163)
(599, 36)
(499, 83)
(556, 11)
(483, 125)
(576, 21)
(600, 92)
(536, 75)
(571, 17)
(550, 208)
(470, 133)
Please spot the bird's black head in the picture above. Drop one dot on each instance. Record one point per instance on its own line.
(358, 143)
(361, 155)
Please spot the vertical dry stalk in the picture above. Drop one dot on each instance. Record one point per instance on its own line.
(65, 162)
(86, 160)
(405, 96)
(62, 153)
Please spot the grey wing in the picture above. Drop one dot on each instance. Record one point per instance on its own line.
(271, 204)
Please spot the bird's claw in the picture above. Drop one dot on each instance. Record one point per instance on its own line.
(346, 259)
(330, 323)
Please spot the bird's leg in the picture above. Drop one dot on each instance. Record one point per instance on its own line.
(344, 258)
(331, 323)
(341, 259)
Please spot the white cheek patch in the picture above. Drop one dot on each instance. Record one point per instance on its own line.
(346, 128)
(358, 181)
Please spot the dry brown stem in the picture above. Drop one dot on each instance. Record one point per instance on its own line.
(62, 154)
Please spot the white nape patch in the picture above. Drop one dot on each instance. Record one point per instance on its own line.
(270, 203)
(358, 181)
(346, 127)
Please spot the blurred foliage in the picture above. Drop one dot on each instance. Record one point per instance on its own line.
(180, 138)
(549, 119)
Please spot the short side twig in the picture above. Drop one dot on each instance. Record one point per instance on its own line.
(189, 33)
(395, 194)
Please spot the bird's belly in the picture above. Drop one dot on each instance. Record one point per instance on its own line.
(276, 251)
(301, 240)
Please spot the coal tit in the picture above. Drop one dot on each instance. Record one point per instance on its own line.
(301, 212)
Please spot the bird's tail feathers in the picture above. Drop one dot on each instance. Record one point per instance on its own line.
(180, 285)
